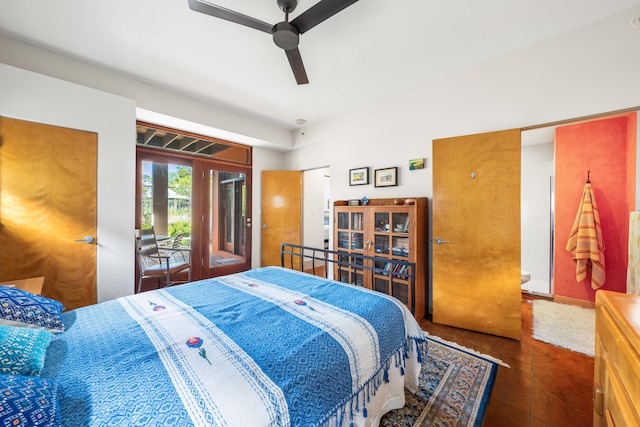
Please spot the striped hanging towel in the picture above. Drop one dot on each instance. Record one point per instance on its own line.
(586, 243)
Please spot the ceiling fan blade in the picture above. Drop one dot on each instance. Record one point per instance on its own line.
(319, 12)
(229, 15)
(295, 60)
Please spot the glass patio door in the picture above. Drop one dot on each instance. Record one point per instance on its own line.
(229, 221)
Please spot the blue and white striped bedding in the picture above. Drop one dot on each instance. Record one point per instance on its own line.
(267, 347)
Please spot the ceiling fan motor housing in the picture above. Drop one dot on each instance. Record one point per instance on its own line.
(287, 6)
(286, 36)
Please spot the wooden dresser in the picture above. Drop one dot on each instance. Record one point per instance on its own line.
(616, 386)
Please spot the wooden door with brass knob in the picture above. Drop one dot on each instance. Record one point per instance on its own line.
(281, 213)
(476, 232)
(48, 206)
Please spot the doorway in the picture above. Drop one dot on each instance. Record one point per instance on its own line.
(316, 208)
(537, 210)
(283, 194)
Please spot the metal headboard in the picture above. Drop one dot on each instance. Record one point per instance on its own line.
(319, 261)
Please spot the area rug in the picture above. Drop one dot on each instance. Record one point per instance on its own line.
(566, 326)
(455, 386)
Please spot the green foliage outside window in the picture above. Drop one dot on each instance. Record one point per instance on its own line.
(178, 227)
(179, 208)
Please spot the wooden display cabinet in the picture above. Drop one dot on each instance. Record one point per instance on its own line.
(388, 230)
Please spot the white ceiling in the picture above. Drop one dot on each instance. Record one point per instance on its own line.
(370, 50)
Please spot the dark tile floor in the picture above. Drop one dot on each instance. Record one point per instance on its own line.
(545, 385)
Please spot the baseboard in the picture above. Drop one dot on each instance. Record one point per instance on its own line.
(574, 301)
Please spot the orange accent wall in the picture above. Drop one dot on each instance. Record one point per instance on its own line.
(606, 147)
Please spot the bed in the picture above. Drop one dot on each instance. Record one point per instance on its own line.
(266, 347)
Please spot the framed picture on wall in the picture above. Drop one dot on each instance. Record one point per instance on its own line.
(359, 176)
(387, 177)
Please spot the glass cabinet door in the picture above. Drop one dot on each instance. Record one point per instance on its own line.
(350, 230)
(381, 221)
(381, 244)
(400, 222)
(400, 246)
(353, 275)
(343, 220)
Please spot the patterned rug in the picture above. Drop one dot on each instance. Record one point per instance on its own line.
(455, 386)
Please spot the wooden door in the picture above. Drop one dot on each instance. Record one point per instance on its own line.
(281, 213)
(47, 202)
(476, 212)
(225, 231)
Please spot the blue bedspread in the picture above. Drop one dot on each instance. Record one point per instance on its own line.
(267, 347)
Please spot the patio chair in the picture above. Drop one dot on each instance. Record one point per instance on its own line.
(154, 263)
(177, 248)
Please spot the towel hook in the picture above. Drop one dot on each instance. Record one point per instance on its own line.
(588, 176)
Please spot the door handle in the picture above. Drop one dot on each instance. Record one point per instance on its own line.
(598, 398)
(439, 241)
(265, 226)
(85, 239)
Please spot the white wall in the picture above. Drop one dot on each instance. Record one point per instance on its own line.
(34, 97)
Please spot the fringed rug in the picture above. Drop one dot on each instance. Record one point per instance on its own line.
(455, 386)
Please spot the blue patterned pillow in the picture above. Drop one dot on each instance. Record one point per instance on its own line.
(22, 308)
(28, 401)
(22, 350)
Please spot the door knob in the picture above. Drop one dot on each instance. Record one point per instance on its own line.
(85, 239)
(265, 226)
(439, 241)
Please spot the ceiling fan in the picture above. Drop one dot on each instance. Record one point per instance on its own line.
(286, 35)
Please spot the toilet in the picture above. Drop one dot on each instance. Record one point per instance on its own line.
(525, 276)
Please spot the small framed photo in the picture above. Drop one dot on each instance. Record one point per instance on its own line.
(416, 164)
(387, 177)
(359, 176)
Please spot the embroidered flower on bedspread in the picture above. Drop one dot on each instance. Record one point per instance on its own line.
(302, 303)
(157, 307)
(196, 342)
